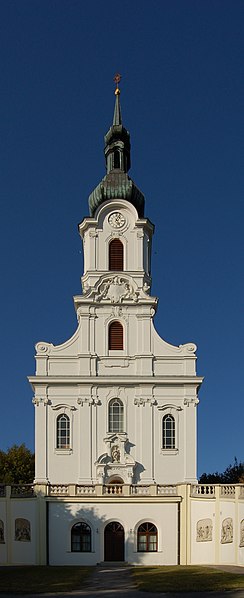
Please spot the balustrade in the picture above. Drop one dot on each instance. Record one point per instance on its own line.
(227, 491)
(85, 489)
(205, 490)
(22, 490)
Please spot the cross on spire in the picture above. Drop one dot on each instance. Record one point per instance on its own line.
(117, 79)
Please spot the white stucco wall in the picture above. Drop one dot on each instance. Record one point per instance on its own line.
(13, 551)
(63, 515)
(217, 510)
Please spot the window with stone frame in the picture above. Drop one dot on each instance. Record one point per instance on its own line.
(63, 432)
(168, 432)
(116, 336)
(147, 537)
(116, 255)
(81, 537)
(115, 416)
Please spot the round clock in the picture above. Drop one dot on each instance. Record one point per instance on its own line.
(116, 220)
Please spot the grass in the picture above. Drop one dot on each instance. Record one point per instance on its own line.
(35, 580)
(186, 579)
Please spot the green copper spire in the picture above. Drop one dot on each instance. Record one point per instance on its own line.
(117, 184)
(117, 110)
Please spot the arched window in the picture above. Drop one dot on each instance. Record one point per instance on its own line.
(168, 432)
(63, 432)
(147, 538)
(115, 336)
(81, 538)
(116, 159)
(116, 416)
(116, 255)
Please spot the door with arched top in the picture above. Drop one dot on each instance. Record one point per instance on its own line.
(114, 542)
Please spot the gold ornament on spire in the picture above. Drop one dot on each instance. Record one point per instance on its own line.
(117, 79)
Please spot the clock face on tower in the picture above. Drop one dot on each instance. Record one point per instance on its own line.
(116, 220)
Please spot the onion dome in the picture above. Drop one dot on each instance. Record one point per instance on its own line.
(117, 184)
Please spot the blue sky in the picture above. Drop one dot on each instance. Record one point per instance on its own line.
(182, 101)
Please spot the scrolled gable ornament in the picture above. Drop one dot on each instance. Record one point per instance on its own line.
(116, 289)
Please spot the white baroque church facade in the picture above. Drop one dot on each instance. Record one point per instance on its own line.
(115, 415)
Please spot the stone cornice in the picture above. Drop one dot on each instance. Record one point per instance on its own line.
(120, 380)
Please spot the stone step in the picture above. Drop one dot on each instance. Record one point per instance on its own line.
(113, 564)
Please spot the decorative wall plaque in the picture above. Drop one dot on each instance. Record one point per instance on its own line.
(227, 531)
(22, 530)
(242, 533)
(204, 530)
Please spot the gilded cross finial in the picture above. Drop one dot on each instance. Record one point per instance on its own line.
(117, 79)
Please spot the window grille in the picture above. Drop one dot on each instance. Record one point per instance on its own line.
(116, 255)
(116, 416)
(168, 432)
(63, 431)
(81, 538)
(115, 336)
(147, 538)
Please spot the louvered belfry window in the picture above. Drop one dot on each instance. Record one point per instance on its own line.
(116, 255)
(115, 337)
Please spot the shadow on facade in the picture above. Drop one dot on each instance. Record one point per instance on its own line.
(79, 535)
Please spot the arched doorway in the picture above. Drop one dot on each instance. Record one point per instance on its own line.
(114, 541)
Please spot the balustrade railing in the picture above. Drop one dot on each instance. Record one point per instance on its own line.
(140, 490)
(86, 490)
(227, 491)
(241, 494)
(22, 490)
(203, 490)
(58, 489)
(114, 489)
(167, 490)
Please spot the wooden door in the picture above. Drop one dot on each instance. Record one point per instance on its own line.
(114, 540)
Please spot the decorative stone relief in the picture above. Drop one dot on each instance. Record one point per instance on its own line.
(63, 406)
(117, 460)
(116, 288)
(40, 400)
(118, 312)
(85, 288)
(204, 530)
(191, 401)
(115, 454)
(22, 530)
(146, 288)
(1, 532)
(227, 531)
(242, 533)
(170, 408)
(142, 401)
(43, 348)
(189, 347)
(88, 400)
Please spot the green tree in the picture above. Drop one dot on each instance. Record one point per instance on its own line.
(233, 474)
(17, 465)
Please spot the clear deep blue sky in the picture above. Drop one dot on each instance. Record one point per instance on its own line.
(182, 101)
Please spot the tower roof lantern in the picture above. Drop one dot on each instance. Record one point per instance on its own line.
(117, 184)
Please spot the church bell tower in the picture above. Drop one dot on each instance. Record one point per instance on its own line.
(116, 404)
